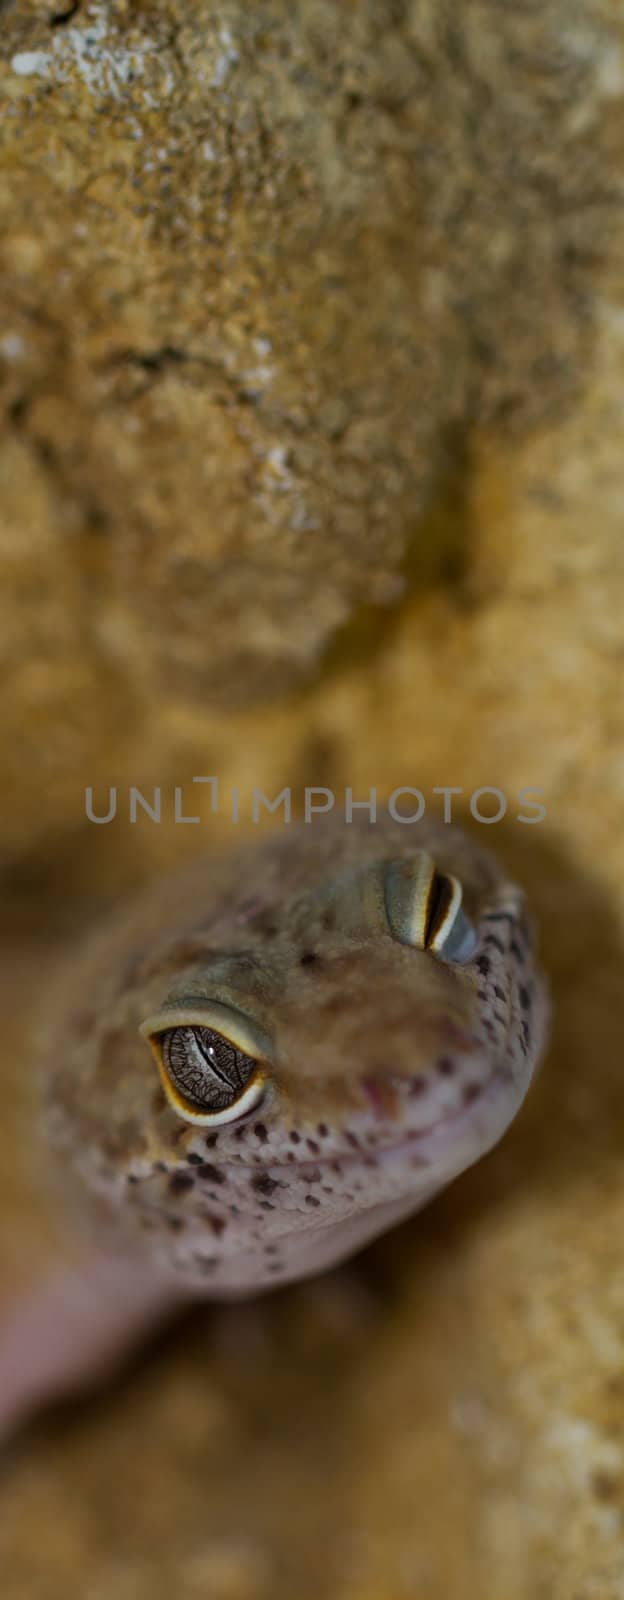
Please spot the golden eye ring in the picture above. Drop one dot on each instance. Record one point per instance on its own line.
(210, 1060)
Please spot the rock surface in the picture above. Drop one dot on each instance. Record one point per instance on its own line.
(446, 1416)
(260, 270)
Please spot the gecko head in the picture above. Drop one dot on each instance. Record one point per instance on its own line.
(359, 1042)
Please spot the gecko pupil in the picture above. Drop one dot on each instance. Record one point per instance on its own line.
(206, 1069)
(440, 895)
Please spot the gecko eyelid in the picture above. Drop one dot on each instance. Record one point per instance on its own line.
(425, 909)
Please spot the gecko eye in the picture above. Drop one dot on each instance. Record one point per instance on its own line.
(424, 908)
(208, 1078)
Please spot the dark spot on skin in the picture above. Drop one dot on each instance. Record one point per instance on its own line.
(311, 1200)
(351, 1139)
(263, 1184)
(604, 1486)
(470, 1092)
(260, 1131)
(175, 1224)
(289, 1155)
(212, 1174)
(240, 1134)
(194, 1159)
(275, 1266)
(490, 938)
(322, 1130)
(217, 1224)
(327, 1188)
(265, 1205)
(329, 919)
(516, 951)
(207, 1263)
(160, 1166)
(309, 959)
(489, 1027)
(417, 1086)
(211, 1140)
(483, 963)
(524, 998)
(270, 1249)
(500, 993)
(313, 1146)
(445, 1067)
(132, 1177)
(295, 1138)
(482, 994)
(180, 1182)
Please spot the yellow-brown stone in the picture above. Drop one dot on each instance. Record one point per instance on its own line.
(444, 1418)
(261, 270)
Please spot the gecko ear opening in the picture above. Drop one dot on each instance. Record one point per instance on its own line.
(425, 909)
(210, 1059)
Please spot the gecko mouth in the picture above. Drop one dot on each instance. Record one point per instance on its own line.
(473, 1127)
(436, 1136)
(485, 1107)
(499, 1083)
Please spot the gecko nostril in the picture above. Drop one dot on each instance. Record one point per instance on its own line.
(374, 1095)
(310, 958)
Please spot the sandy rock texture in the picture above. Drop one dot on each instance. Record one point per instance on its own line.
(445, 1417)
(261, 268)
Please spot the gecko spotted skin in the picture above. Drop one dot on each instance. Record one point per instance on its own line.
(326, 1073)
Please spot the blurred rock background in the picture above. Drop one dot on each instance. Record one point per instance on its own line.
(311, 352)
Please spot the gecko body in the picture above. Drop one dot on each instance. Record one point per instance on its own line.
(264, 1063)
